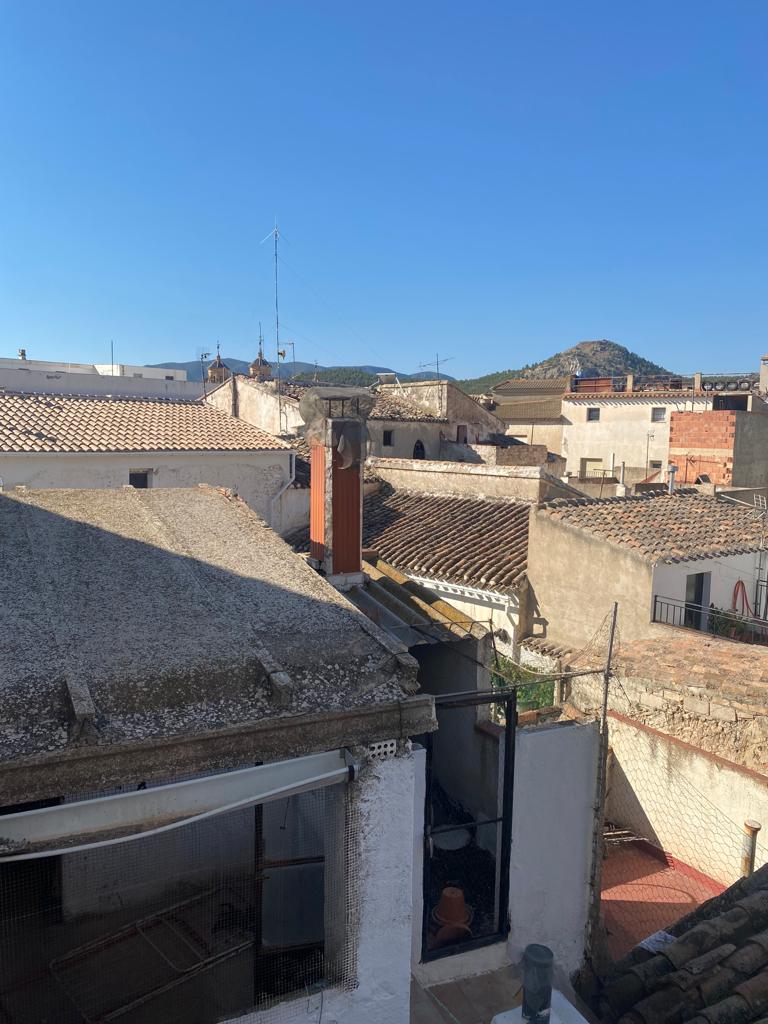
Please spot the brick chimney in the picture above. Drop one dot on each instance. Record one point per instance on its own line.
(337, 435)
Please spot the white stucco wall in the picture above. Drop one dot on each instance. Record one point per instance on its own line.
(687, 802)
(555, 785)
(405, 435)
(382, 995)
(621, 432)
(726, 570)
(256, 476)
(261, 406)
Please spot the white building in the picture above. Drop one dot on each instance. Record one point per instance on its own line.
(615, 420)
(41, 375)
(56, 440)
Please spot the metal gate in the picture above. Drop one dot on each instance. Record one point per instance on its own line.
(468, 822)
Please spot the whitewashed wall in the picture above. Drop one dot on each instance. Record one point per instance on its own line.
(622, 430)
(555, 786)
(256, 476)
(689, 803)
(727, 570)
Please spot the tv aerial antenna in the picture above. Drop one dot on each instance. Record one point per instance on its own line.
(436, 365)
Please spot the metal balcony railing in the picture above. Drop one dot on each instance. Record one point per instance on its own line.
(707, 619)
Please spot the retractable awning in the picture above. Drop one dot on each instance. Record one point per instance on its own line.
(87, 824)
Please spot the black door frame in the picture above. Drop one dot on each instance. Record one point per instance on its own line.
(465, 700)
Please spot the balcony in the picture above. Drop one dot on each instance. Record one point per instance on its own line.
(729, 624)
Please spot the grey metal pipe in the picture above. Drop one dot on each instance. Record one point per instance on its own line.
(749, 846)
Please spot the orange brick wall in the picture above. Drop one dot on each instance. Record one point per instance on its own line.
(703, 442)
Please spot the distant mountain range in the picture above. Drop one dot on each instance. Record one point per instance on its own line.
(587, 359)
(361, 376)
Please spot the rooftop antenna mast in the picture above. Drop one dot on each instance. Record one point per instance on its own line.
(436, 364)
(203, 357)
(275, 235)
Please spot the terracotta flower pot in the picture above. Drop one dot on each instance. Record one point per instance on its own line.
(452, 908)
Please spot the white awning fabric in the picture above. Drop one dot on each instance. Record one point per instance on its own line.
(87, 824)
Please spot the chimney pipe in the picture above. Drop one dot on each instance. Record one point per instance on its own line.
(749, 846)
(337, 435)
(671, 470)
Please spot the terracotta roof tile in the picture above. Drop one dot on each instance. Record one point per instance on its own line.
(84, 423)
(527, 410)
(664, 527)
(713, 969)
(532, 386)
(470, 542)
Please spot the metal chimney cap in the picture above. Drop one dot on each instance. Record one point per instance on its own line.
(352, 403)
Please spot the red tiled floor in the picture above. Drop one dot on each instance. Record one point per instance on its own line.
(641, 895)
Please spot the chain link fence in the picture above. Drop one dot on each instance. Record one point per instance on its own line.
(668, 845)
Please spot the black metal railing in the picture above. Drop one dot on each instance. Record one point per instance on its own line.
(707, 619)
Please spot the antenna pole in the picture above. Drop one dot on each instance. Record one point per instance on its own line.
(277, 306)
(112, 354)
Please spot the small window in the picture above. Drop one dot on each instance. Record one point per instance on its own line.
(593, 415)
(169, 376)
(658, 414)
(138, 375)
(140, 477)
(654, 466)
(418, 451)
(389, 438)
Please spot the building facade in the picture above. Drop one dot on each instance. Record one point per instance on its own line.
(626, 420)
(57, 440)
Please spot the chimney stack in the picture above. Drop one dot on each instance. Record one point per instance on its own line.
(337, 435)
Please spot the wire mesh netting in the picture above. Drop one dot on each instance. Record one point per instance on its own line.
(668, 846)
(244, 913)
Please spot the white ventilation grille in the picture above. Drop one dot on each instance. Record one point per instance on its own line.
(382, 751)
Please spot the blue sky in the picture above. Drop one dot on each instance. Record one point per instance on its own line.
(493, 181)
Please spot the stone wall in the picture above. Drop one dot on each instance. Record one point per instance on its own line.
(525, 483)
(711, 718)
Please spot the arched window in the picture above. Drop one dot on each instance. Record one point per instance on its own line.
(418, 451)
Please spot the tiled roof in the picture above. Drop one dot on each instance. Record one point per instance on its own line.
(386, 406)
(663, 527)
(711, 967)
(396, 407)
(473, 542)
(533, 386)
(527, 411)
(46, 423)
(303, 461)
(407, 610)
(470, 542)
